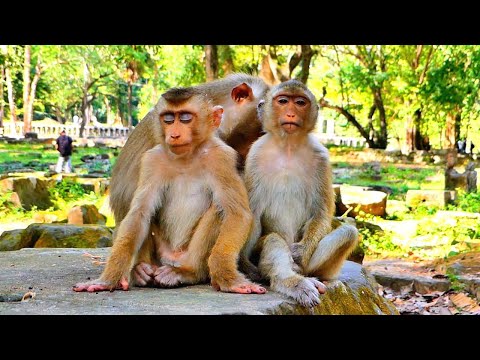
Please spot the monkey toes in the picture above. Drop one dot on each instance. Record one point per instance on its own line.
(307, 291)
(98, 285)
(242, 288)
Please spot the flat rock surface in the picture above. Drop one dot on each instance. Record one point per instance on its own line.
(51, 273)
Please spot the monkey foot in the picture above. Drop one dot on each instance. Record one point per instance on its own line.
(305, 290)
(243, 288)
(166, 276)
(98, 285)
(143, 274)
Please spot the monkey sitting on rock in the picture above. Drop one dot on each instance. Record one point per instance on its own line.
(289, 181)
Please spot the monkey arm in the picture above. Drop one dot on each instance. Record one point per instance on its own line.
(134, 228)
(321, 222)
(230, 197)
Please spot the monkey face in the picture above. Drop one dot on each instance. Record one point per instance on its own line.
(291, 111)
(178, 129)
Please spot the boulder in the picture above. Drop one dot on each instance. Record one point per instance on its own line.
(437, 198)
(31, 190)
(56, 236)
(359, 199)
(85, 214)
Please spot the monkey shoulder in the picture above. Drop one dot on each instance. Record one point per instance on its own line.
(319, 150)
(217, 153)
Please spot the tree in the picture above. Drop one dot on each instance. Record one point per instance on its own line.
(211, 62)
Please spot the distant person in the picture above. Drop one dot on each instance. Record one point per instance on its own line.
(461, 146)
(64, 147)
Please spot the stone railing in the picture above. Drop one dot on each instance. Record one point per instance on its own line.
(53, 131)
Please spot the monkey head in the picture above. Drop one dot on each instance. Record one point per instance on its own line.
(187, 118)
(289, 108)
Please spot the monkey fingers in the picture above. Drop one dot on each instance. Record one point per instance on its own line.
(168, 276)
(297, 250)
(143, 274)
(99, 285)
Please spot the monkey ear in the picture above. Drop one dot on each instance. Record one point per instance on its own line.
(217, 115)
(242, 92)
(260, 108)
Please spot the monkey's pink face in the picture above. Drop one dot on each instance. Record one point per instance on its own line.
(178, 129)
(291, 111)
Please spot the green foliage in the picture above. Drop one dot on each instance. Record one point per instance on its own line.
(466, 202)
(67, 189)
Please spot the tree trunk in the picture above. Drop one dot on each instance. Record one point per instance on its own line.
(307, 54)
(86, 113)
(11, 99)
(26, 87)
(28, 112)
(453, 118)
(2, 103)
(58, 115)
(227, 65)
(268, 71)
(129, 105)
(211, 62)
(110, 118)
(382, 140)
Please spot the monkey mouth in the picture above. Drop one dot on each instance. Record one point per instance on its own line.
(290, 127)
(179, 148)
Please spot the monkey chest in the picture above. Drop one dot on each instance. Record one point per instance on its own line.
(186, 200)
(288, 195)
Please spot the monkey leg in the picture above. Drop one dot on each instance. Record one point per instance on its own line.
(276, 264)
(190, 266)
(332, 251)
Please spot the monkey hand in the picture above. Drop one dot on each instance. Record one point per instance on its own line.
(143, 274)
(101, 285)
(297, 250)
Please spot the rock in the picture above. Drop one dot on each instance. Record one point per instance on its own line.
(98, 185)
(51, 273)
(85, 214)
(370, 202)
(56, 236)
(405, 277)
(437, 198)
(31, 190)
(15, 240)
(44, 217)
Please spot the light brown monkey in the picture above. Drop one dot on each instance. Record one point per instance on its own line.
(190, 202)
(289, 181)
(238, 94)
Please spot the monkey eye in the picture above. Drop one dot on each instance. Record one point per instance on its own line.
(282, 100)
(186, 117)
(300, 101)
(168, 118)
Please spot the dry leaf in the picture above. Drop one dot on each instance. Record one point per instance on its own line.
(453, 310)
(99, 262)
(28, 296)
(464, 302)
(92, 256)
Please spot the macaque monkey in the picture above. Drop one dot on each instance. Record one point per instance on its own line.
(189, 202)
(238, 94)
(289, 181)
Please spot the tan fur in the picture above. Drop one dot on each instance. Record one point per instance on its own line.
(240, 127)
(289, 181)
(192, 204)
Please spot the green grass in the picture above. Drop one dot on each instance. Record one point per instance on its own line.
(40, 156)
